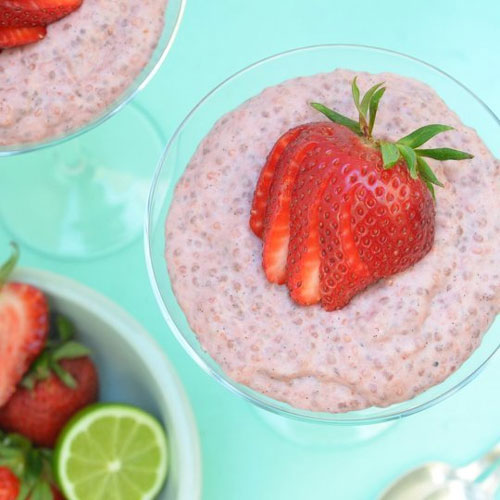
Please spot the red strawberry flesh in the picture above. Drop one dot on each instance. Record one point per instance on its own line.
(40, 413)
(304, 252)
(394, 216)
(376, 223)
(261, 194)
(277, 221)
(15, 37)
(343, 273)
(24, 325)
(30, 13)
(9, 484)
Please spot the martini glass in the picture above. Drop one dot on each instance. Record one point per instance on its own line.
(82, 194)
(306, 427)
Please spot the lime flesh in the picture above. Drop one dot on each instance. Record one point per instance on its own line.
(112, 452)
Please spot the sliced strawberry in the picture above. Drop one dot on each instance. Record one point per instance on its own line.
(277, 221)
(15, 37)
(343, 273)
(304, 252)
(261, 194)
(24, 326)
(29, 13)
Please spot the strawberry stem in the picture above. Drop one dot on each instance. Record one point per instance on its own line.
(33, 466)
(405, 148)
(48, 361)
(9, 265)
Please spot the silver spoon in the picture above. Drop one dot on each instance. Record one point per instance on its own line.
(441, 481)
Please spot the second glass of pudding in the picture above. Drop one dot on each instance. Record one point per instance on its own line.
(211, 290)
(86, 176)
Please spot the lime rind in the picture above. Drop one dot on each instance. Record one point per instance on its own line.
(141, 458)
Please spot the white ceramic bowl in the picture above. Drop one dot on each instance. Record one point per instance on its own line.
(132, 369)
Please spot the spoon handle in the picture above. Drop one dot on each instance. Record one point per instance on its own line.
(473, 470)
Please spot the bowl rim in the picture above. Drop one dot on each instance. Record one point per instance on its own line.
(250, 395)
(133, 333)
(139, 83)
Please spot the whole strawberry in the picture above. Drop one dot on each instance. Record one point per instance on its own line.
(24, 327)
(338, 209)
(25, 471)
(62, 380)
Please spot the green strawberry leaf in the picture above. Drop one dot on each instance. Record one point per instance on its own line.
(9, 265)
(443, 154)
(33, 466)
(70, 350)
(410, 158)
(422, 135)
(28, 381)
(24, 491)
(365, 102)
(390, 154)
(56, 350)
(65, 328)
(430, 187)
(17, 441)
(65, 377)
(39, 370)
(406, 147)
(374, 108)
(41, 491)
(355, 94)
(337, 117)
(426, 172)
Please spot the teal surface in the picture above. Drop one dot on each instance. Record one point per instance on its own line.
(244, 459)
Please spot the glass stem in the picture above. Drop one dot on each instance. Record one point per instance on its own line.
(70, 161)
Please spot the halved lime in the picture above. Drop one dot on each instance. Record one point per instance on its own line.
(112, 452)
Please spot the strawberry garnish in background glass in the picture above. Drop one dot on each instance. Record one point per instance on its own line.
(338, 209)
(24, 21)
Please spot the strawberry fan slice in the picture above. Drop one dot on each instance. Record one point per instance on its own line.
(30, 13)
(343, 209)
(261, 194)
(15, 37)
(304, 253)
(277, 221)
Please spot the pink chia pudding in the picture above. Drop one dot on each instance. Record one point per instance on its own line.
(85, 63)
(401, 335)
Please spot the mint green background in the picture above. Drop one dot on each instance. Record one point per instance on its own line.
(243, 459)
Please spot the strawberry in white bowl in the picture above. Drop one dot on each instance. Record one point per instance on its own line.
(95, 373)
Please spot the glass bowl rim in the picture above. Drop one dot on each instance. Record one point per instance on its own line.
(138, 84)
(248, 394)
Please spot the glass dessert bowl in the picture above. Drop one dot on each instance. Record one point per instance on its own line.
(229, 95)
(85, 177)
